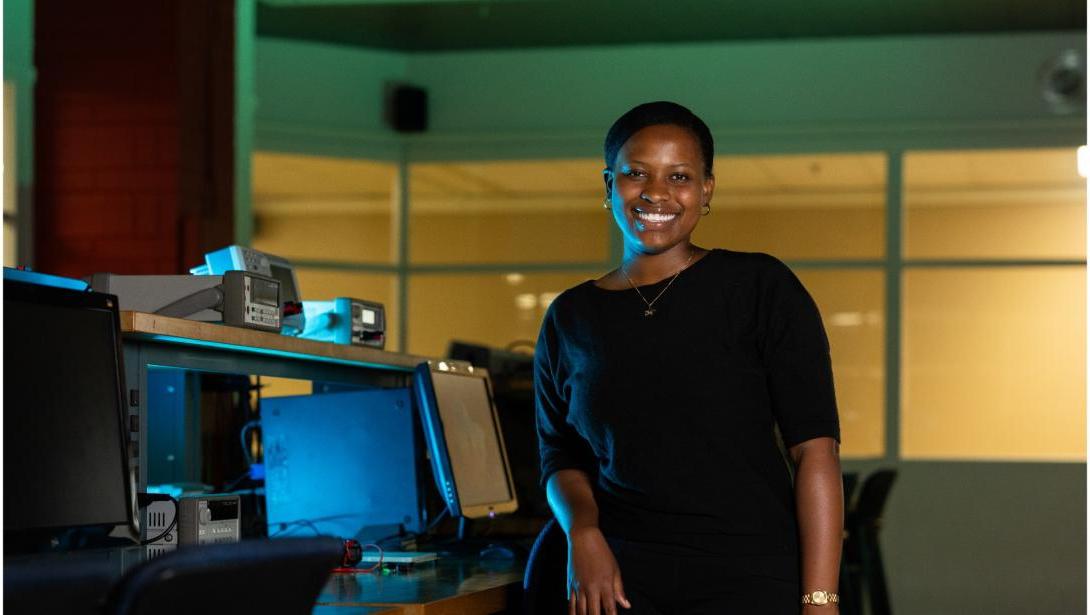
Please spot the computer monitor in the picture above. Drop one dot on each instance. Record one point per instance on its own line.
(511, 375)
(66, 462)
(463, 433)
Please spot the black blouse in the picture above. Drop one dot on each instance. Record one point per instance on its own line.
(674, 415)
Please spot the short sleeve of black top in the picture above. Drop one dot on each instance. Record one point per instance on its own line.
(673, 415)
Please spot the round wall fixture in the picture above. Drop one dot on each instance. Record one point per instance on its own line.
(1062, 81)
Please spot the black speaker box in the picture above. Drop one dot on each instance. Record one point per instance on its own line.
(407, 108)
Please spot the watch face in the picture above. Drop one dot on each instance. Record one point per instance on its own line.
(819, 598)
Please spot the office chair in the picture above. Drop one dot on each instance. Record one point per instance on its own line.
(546, 577)
(61, 585)
(849, 594)
(851, 481)
(255, 576)
(862, 553)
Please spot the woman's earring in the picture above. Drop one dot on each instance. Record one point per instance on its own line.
(706, 209)
(605, 203)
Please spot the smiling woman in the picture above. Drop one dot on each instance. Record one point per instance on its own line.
(662, 389)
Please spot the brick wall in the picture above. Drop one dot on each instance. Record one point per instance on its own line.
(133, 134)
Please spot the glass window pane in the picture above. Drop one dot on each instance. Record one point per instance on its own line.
(799, 207)
(503, 212)
(9, 244)
(327, 209)
(852, 304)
(325, 284)
(492, 309)
(994, 363)
(994, 204)
(272, 386)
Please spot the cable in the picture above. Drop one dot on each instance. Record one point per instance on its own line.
(231, 486)
(378, 564)
(436, 520)
(284, 526)
(309, 523)
(416, 535)
(249, 425)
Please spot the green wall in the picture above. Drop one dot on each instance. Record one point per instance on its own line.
(777, 86)
(324, 99)
(950, 91)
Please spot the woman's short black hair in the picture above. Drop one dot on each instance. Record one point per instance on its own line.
(657, 114)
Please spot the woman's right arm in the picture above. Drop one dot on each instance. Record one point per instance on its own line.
(594, 580)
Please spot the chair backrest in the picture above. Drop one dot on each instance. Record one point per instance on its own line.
(546, 578)
(254, 576)
(65, 585)
(873, 496)
(851, 481)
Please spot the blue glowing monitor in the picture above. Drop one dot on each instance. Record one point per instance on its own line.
(462, 429)
(342, 464)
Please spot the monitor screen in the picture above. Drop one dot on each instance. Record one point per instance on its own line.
(65, 447)
(468, 452)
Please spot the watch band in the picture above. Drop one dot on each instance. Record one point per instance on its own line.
(820, 598)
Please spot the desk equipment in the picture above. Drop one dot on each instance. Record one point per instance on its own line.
(158, 523)
(209, 519)
(345, 320)
(66, 421)
(240, 258)
(236, 298)
(402, 560)
(469, 459)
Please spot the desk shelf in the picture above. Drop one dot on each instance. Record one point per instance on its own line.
(151, 341)
(192, 333)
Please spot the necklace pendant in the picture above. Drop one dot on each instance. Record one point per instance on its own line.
(649, 312)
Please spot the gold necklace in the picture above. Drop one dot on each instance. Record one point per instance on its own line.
(650, 311)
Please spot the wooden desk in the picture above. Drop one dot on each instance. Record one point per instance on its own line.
(448, 587)
(156, 342)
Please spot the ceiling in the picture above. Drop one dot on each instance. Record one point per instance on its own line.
(438, 25)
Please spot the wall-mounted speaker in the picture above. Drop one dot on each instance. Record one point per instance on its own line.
(406, 108)
(1062, 80)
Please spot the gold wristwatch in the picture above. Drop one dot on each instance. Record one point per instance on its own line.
(820, 598)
